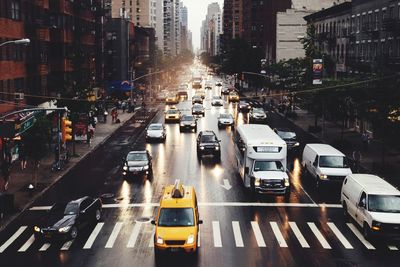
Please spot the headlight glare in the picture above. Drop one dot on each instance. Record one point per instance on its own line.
(125, 168)
(257, 181)
(36, 228)
(323, 176)
(64, 229)
(190, 239)
(287, 182)
(160, 241)
(201, 147)
(146, 167)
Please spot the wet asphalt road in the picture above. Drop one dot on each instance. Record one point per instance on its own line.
(238, 230)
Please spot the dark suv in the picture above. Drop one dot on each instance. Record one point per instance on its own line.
(188, 122)
(208, 144)
(137, 163)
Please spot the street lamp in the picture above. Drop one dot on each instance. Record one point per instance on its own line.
(19, 41)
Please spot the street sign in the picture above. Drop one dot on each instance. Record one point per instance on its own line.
(317, 71)
(23, 126)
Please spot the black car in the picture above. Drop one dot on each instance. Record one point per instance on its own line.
(66, 220)
(137, 163)
(208, 144)
(244, 106)
(188, 122)
(198, 109)
(290, 137)
(197, 99)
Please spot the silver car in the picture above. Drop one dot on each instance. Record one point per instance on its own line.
(257, 115)
(225, 120)
(156, 131)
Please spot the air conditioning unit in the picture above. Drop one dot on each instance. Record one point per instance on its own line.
(19, 96)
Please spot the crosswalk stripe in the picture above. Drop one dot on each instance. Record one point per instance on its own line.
(44, 247)
(134, 235)
(299, 235)
(67, 245)
(392, 247)
(258, 234)
(278, 234)
(319, 236)
(27, 244)
(12, 238)
(237, 234)
(93, 236)
(357, 233)
(216, 234)
(340, 236)
(114, 235)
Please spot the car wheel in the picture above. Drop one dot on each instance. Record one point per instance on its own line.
(195, 129)
(98, 215)
(74, 232)
(318, 183)
(366, 231)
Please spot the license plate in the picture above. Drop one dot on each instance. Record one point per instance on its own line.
(175, 249)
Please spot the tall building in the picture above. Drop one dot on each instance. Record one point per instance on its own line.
(121, 9)
(184, 28)
(160, 24)
(144, 13)
(172, 29)
(211, 30)
(227, 28)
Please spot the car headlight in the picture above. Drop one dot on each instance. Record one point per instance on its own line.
(217, 148)
(201, 147)
(287, 182)
(257, 181)
(190, 239)
(376, 226)
(64, 229)
(193, 124)
(125, 168)
(182, 124)
(160, 241)
(296, 144)
(146, 167)
(36, 228)
(323, 176)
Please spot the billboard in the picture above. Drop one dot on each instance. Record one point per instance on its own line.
(318, 68)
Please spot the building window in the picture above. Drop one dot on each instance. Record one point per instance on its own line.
(376, 20)
(391, 12)
(358, 24)
(15, 10)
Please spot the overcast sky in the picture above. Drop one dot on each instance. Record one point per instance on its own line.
(197, 10)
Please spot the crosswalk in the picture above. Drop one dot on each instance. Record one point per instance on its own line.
(262, 234)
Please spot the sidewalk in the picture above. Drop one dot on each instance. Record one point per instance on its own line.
(20, 180)
(371, 161)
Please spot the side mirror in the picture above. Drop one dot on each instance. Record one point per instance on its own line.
(361, 204)
(246, 170)
(200, 222)
(153, 222)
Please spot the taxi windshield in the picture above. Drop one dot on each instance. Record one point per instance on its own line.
(176, 217)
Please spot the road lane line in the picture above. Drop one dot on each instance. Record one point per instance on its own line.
(27, 244)
(237, 234)
(114, 235)
(278, 234)
(217, 234)
(319, 236)
(67, 245)
(392, 247)
(258, 234)
(12, 238)
(299, 235)
(45, 247)
(93, 236)
(151, 241)
(340, 236)
(134, 235)
(357, 233)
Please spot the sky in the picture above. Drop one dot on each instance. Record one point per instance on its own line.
(197, 11)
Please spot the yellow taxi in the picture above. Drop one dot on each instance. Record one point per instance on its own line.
(177, 222)
(171, 99)
(233, 97)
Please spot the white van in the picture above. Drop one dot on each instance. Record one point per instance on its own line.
(373, 203)
(261, 159)
(324, 163)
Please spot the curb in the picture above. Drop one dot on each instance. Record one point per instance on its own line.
(58, 178)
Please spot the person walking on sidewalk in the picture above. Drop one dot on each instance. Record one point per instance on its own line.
(22, 156)
(356, 160)
(365, 140)
(5, 170)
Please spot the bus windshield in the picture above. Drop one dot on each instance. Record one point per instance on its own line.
(263, 166)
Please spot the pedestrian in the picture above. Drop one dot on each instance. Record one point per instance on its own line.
(357, 160)
(123, 107)
(365, 140)
(22, 156)
(5, 170)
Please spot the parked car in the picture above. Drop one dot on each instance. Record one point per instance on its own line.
(244, 106)
(197, 99)
(137, 163)
(156, 131)
(66, 220)
(225, 119)
(208, 144)
(188, 122)
(257, 115)
(290, 137)
(373, 204)
(324, 164)
(172, 115)
(198, 109)
(217, 101)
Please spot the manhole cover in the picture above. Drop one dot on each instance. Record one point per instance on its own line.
(107, 195)
(143, 220)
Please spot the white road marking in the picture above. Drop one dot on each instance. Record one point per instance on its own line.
(226, 184)
(258, 234)
(93, 236)
(151, 242)
(278, 234)
(114, 235)
(198, 241)
(392, 247)
(217, 234)
(340, 236)
(212, 204)
(299, 235)
(134, 235)
(319, 236)
(67, 245)
(237, 234)
(12, 238)
(27, 244)
(357, 233)
(45, 247)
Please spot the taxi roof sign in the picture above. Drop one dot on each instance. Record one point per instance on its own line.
(177, 191)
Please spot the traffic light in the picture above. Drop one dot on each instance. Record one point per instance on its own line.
(66, 130)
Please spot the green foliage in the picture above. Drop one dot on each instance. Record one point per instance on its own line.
(36, 139)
